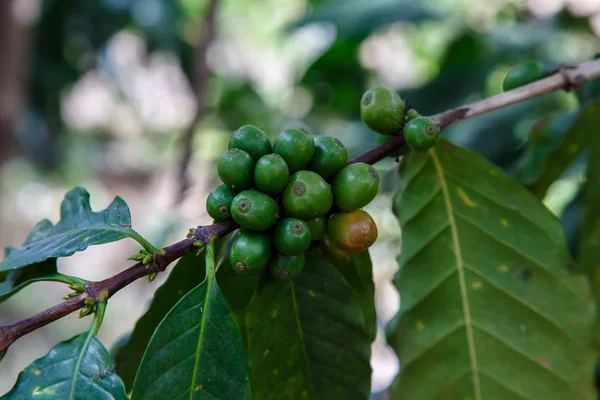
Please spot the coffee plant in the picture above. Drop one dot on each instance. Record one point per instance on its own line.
(275, 299)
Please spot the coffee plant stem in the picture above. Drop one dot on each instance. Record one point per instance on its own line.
(567, 77)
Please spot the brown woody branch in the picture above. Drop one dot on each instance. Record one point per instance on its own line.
(565, 78)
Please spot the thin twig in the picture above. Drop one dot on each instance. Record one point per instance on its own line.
(564, 78)
(200, 83)
(10, 333)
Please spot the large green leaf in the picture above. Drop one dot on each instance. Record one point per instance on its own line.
(188, 273)
(196, 351)
(589, 245)
(491, 305)
(76, 369)
(78, 228)
(306, 338)
(565, 140)
(358, 273)
(237, 290)
(12, 282)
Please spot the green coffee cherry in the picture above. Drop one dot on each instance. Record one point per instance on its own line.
(307, 196)
(271, 174)
(235, 168)
(421, 133)
(284, 267)
(522, 74)
(355, 186)
(353, 231)
(329, 158)
(252, 140)
(296, 147)
(332, 252)
(382, 110)
(218, 203)
(254, 210)
(250, 252)
(317, 228)
(292, 236)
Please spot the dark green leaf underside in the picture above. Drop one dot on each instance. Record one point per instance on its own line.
(188, 273)
(571, 146)
(78, 228)
(76, 369)
(196, 351)
(11, 282)
(358, 273)
(589, 246)
(492, 307)
(306, 338)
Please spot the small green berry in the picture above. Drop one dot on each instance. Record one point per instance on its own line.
(236, 168)
(292, 236)
(254, 210)
(355, 186)
(285, 267)
(271, 174)
(382, 110)
(218, 203)
(296, 147)
(307, 196)
(421, 133)
(250, 252)
(329, 158)
(317, 228)
(252, 140)
(522, 74)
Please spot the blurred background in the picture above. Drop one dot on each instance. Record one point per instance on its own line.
(103, 93)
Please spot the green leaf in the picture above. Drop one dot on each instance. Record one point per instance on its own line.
(196, 351)
(76, 369)
(491, 305)
(188, 273)
(359, 275)
(589, 245)
(306, 338)
(78, 228)
(545, 137)
(12, 282)
(558, 156)
(237, 290)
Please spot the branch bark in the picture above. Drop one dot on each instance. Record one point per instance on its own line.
(567, 77)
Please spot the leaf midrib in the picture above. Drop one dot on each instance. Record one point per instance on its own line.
(205, 308)
(82, 354)
(461, 275)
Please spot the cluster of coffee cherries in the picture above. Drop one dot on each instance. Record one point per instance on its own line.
(384, 111)
(289, 196)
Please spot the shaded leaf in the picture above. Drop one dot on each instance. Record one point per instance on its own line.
(12, 282)
(358, 18)
(196, 351)
(491, 305)
(589, 245)
(306, 337)
(571, 145)
(78, 368)
(78, 228)
(237, 290)
(545, 137)
(188, 273)
(359, 275)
